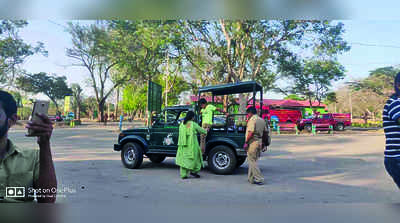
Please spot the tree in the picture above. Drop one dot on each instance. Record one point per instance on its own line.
(14, 51)
(313, 79)
(77, 102)
(370, 94)
(52, 86)
(331, 98)
(147, 51)
(93, 47)
(256, 50)
(134, 100)
(89, 106)
(141, 47)
(294, 97)
(379, 81)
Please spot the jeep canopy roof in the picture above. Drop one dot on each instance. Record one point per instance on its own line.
(235, 88)
(179, 107)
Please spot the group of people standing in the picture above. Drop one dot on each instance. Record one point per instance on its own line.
(190, 154)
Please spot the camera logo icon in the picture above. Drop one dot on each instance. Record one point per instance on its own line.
(15, 192)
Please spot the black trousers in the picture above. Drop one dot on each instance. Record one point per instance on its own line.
(392, 166)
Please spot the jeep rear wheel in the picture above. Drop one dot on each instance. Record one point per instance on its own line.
(222, 160)
(156, 158)
(132, 155)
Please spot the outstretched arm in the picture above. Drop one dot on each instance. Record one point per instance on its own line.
(47, 181)
(222, 111)
(199, 129)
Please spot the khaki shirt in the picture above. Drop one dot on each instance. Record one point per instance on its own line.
(19, 168)
(256, 125)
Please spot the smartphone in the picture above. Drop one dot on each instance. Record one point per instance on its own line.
(39, 107)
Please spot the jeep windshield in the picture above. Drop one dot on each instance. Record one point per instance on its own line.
(171, 116)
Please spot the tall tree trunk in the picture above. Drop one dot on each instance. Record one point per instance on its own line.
(100, 113)
(57, 108)
(78, 113)
(75, 111)
(116, 105)
(108, 110)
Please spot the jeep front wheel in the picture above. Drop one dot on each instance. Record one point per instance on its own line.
(132, 155)
(222, 160)
(155, 158)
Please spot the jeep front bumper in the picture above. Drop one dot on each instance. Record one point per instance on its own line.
(241, 152)
(117, 147)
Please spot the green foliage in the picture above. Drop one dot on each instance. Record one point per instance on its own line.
(141, 47)
(313, 78)
(14, 51)
(93, 47)
(294, 97)
(230, 51)
(134, 98)
(52, 86)
(77, 99)
(330, 98)
(379, 81)
(89, 106)
(378, 124)
(176, 85)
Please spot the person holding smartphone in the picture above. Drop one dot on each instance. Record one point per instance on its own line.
(32, 170)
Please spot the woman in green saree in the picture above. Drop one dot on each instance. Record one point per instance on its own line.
(189, 156)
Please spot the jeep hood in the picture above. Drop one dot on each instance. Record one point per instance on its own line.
(135, 130)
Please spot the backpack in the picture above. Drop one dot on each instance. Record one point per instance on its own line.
(266, 139)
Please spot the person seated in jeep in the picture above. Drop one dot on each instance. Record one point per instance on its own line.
(207, 111)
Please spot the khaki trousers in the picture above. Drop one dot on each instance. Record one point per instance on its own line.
(253, 154)
(203, 138)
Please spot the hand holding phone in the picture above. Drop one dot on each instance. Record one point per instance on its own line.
(40, 125)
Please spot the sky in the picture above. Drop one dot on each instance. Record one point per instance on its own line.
(373, 44)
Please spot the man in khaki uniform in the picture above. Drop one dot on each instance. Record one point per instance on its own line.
(256, 127)
(25, 171)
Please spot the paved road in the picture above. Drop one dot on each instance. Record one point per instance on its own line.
(300, 171)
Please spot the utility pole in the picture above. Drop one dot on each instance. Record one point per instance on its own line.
(166, 88)
(350, 84)
(166, 83)
(116, 105)
(351, 106)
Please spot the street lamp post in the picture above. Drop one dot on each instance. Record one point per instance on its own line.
(351, 106)
(351, 83)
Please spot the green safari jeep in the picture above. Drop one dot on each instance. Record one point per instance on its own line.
(224, 147)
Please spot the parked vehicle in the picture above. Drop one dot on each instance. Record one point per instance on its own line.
(339, 121)
(284, 115)
(224, 147)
